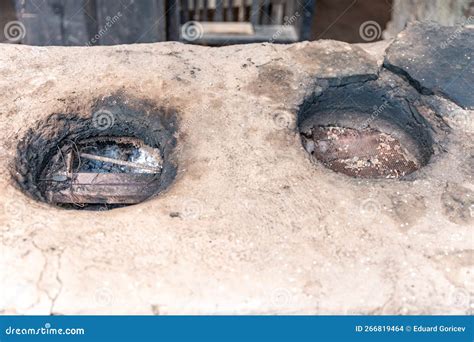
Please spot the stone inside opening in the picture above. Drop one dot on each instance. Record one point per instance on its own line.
(363, 132)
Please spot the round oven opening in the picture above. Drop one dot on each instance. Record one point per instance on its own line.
(114, 157)
(362, 132)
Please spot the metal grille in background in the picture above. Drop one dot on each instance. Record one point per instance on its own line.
(256, 12)
(281, 21)
(107, 22)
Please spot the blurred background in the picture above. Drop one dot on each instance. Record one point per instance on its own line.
(217, 22)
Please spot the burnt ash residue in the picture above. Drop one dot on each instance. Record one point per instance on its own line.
(366, 153)
(147, 132)
(367, 129)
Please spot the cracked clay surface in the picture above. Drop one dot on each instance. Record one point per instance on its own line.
(251, 224)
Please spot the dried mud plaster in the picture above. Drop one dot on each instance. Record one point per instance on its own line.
(244, 220)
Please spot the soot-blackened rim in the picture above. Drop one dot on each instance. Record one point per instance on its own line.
(370, 105)
(112, 116)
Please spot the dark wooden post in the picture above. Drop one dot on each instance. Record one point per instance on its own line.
(306, 21)
(53, 22)
(128, 21)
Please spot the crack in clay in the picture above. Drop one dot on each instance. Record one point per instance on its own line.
(53, 303)
(53, 298)
(407, 77)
